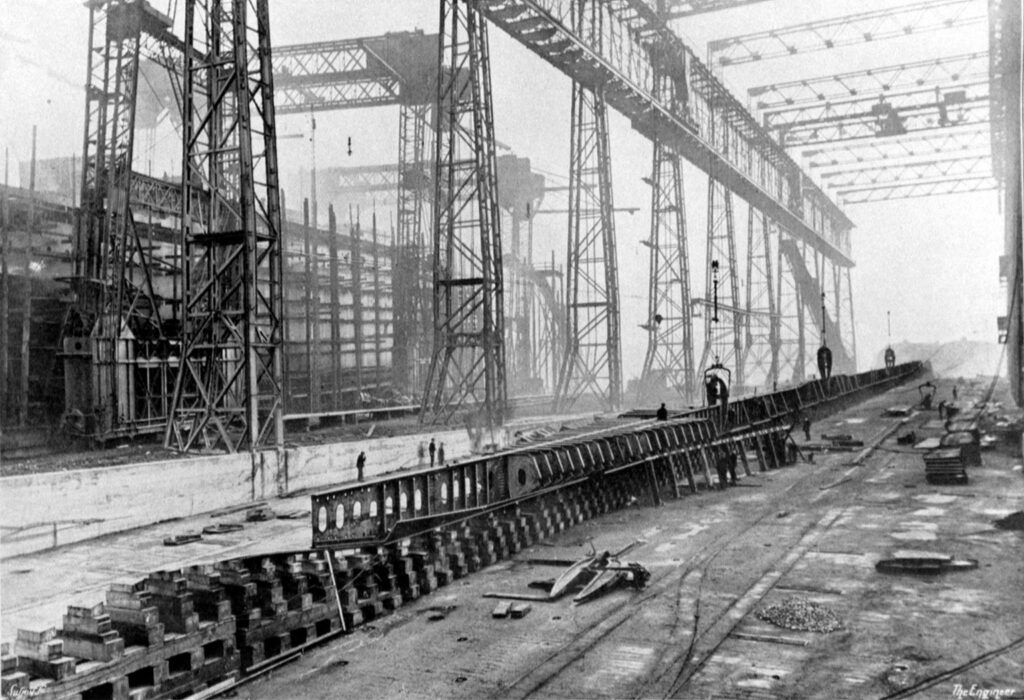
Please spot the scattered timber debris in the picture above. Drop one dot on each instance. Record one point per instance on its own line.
(802, 615)
(438, 612)
(259, 513)
(293, 515)
(178, 540)
(519, 610)
(222, 528)
(911, 561)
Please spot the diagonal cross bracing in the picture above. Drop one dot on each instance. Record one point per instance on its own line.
(398, 67)
(624, 68)
(228, 391)
(467, 370)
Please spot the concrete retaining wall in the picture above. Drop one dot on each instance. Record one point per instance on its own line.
(40, 511)
(44, 510)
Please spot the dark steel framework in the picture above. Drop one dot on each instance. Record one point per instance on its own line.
(1006, 26)
(593, 359)
(229, 393)
(396, 68)
(761, 323)
(669, 323)
(622, 64)
(924, 109)
(467, 370)
(669, 360)
(412, 308)
(117, 366)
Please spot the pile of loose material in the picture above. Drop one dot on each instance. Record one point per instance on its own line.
(803, 615)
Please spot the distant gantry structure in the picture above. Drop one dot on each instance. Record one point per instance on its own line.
(204, 309)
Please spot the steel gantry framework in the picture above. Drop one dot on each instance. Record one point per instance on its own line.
(229, 390)
(467, 370)
(669, 326)
(622, 65)
(947, 71)
(900, 131)
(875, 25)
(896, 114)
(761, 324)
(593, 361)
(117, 369)
(396, 68)
(669, 361)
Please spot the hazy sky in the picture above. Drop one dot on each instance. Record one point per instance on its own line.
(933, 261)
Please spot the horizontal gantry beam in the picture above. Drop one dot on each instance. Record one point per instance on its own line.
(878, 152)
(399, 67)
(885, 175)
(701, 120)
(876, 25)
(945, 72)
(910, 190)
(872, 117)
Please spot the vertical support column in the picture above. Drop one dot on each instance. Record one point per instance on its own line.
(312, 310)
(336, 376)
(467, 369)
(5, 293)
(849, 331)
(760, 360)
(724, 339)
(593, 359)
(26, 302)
(669, 318)
(377, 326)
(228, 391)
(411, 306)
(357, 300)
(791, 315)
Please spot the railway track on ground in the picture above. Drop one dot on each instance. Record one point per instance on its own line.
(381, 543)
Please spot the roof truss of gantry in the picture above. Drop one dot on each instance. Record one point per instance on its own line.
(876, 25)
(753, 165)
(947, 71)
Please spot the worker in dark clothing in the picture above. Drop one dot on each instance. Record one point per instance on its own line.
(807, 428)
(433, 451)
(942, 410)
(440, 454)
(421, 452)
(662, 413)
(954, 392)
(360, 465)
(725, 465)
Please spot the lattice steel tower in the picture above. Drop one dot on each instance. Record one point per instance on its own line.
(412, 314)
(468, 365)
(722, 332)
(669, 323)
(593, 361)
(761, 322)
(229, 389)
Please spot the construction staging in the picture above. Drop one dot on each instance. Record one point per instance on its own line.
(390, 426)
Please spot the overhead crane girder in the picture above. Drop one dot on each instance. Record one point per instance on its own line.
(625, 76)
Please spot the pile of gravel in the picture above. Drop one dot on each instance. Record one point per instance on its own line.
(803, 615)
